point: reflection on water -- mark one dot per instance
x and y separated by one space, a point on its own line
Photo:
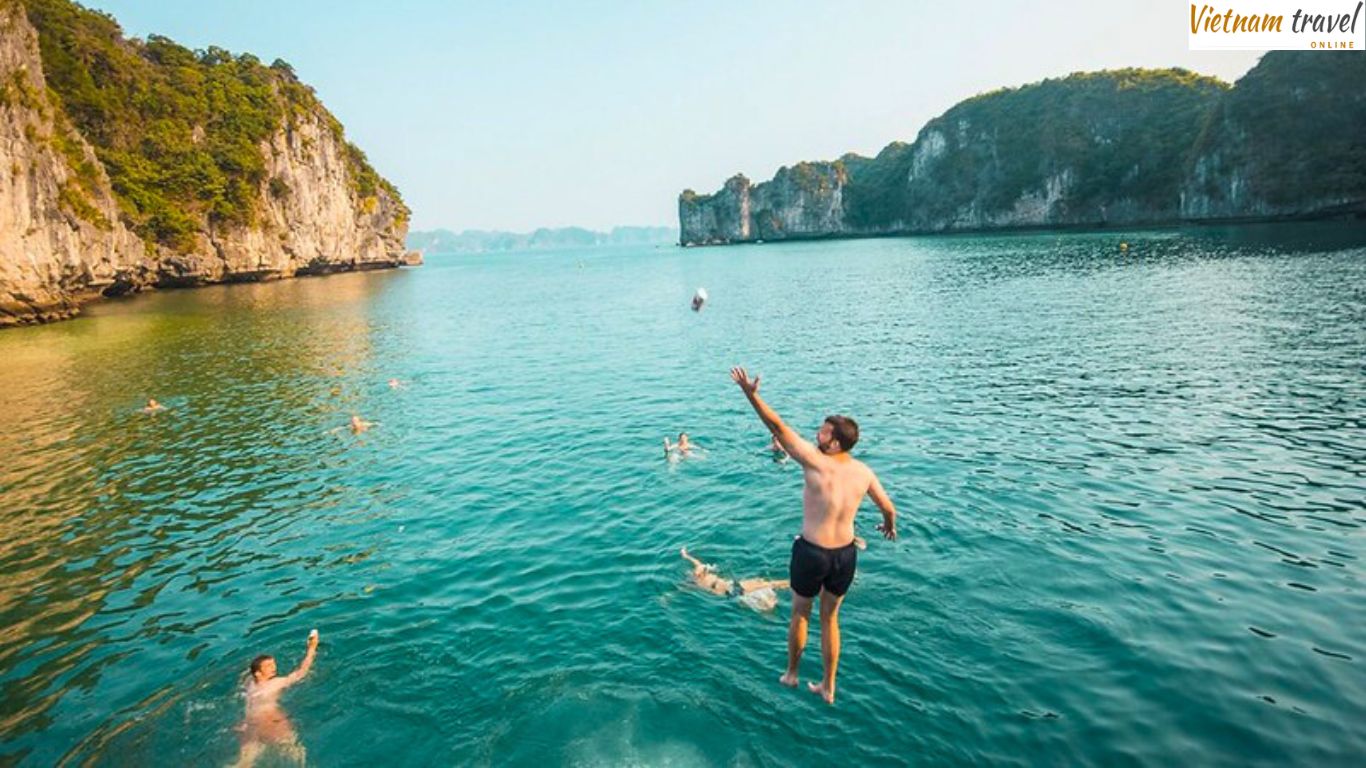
104 502
1131 479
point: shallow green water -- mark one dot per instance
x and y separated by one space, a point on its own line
1131 486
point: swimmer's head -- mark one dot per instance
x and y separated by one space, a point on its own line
837 434
263 668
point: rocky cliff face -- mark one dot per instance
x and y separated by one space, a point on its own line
61 239
1108 148
806 200
65 235
723 217
311 221
1287 141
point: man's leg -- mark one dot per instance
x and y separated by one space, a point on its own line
750 585
830 645
250 751
796 637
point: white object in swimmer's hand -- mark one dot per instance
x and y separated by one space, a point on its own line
698 299
313 634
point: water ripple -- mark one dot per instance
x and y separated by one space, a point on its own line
1131 490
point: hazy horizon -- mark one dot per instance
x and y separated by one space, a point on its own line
595 117
532 230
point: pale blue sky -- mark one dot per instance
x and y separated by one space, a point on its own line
519 115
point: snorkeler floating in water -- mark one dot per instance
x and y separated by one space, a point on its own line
153 406
682 450
825 556
266 724
759 594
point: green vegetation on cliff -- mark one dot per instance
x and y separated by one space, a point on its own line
1121 147
179 132
876 195
1117 136
1293 129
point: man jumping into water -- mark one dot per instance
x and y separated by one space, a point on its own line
824 556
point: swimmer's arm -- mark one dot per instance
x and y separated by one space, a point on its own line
302 671
884 505
698 565
805 453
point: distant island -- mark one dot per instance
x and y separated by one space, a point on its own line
131 164
484 241
1116 148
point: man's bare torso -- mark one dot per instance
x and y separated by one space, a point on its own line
831 496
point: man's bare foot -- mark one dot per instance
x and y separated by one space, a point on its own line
789 679
819 689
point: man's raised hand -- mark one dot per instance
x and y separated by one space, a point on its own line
741 376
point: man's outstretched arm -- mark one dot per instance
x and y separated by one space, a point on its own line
302 671
884 505
805 453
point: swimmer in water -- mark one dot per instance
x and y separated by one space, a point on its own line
153 406
357 425
759 594
266 723
394 384
682 450
699 299
776 448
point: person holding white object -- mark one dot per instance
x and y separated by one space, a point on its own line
266 724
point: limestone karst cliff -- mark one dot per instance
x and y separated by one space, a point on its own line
1287 141
128 164
1093 149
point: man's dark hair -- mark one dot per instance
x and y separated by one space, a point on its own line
258 661
845 430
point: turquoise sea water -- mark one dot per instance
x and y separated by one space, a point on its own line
1131 486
